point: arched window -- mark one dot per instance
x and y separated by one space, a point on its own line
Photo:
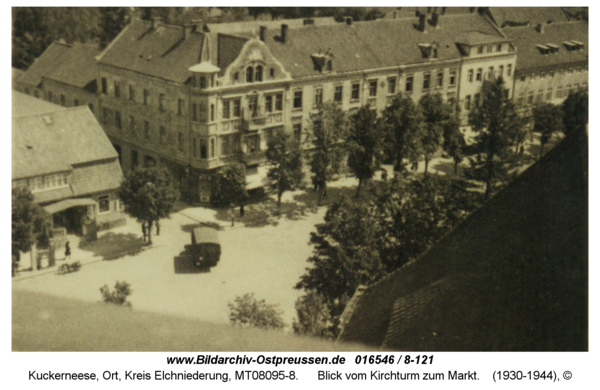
249 74
258 73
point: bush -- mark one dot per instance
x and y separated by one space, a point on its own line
246 311
119 295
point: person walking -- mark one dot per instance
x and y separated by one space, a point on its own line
144 232
242 210
67 250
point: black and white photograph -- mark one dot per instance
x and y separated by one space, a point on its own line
299 179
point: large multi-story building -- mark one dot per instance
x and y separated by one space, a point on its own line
552 62
196 99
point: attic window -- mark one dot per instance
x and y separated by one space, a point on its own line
323 62
570 46
543 49
552 47
578 45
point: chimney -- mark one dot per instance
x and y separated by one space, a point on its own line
263 30
395 14
422 21
156 21
284 28
443 10
435 20
348 20
188 29
540 28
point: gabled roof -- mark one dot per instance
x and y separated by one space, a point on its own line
527 38
375 44
512 277
77 66
56 141
505 16
159 52
43 65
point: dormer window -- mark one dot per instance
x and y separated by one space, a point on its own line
429 50
249 74
259 73
552 48
543 49
578 45
323 62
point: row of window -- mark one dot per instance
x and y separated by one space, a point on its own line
63 100
549 94
552 73
490 74
489 48
254 74
41 183
145 95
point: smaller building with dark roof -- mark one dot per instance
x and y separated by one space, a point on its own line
65 74
63 156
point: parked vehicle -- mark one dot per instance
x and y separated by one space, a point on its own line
205 248
68 268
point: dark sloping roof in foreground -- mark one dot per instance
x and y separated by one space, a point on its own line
47 323
512 277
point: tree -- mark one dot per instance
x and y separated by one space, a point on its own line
496 123
575 113
364 142
436 113
119 295
246 311
412 215
404 124
345 254
149 195
328 129
285 157
547 120
314 318
230 186
30 224
453 138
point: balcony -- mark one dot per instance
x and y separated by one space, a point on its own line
255 120
253 158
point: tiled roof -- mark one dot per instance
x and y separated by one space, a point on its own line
52 195
77 66
527 38
254 26
96 177
374 44
23 104
43 65
160 52
514 273
229 49
55 141
532 15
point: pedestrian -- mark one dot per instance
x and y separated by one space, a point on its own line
157 228
144 232
67 251
242 210
384 175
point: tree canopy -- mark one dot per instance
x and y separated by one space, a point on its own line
230 186
404 124
284 156
454 141
497 126
575 112
149 195
365 145
547 120
247 311
30 223
436 114
328 129
314 318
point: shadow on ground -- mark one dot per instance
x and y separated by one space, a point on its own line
188 228
112 246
